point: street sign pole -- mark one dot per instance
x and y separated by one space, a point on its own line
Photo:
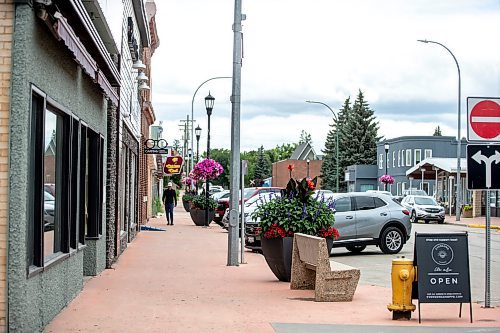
487 285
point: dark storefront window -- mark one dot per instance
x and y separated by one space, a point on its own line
65 182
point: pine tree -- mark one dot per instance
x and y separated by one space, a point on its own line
262 167
329 167
437 132
359 135
305 138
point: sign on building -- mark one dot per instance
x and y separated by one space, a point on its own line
157 147
173 165
483 119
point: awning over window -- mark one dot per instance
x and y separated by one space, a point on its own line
83 57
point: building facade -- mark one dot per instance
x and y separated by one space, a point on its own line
408 151
64 84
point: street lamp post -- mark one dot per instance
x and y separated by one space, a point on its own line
308 161
198 135
192 105
336 143
459 148
209 105
386 148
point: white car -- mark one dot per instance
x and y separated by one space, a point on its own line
381 192
423 207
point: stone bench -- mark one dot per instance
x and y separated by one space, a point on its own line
312 269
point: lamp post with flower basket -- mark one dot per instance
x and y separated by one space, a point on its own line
386 179
297 210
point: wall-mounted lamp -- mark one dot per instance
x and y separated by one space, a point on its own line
144 86
142 77
138 65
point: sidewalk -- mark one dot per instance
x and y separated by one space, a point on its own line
178 281
474 222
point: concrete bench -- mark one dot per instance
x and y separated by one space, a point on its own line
312 269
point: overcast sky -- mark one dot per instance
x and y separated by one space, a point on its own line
323 50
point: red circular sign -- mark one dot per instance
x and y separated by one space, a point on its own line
485 119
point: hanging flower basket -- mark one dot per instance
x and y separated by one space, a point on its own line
387 179
206 170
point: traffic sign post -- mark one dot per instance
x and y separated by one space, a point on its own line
483 173
483 119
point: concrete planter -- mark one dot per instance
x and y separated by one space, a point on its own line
467 213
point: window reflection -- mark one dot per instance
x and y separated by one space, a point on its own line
50 227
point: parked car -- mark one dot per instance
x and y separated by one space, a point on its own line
362 219
48 211
223 203
423 208
414 191
381 192
218 195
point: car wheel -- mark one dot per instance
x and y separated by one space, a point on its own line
426 221
391 241
413 217
441 221
355 248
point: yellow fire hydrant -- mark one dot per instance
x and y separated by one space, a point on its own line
403 275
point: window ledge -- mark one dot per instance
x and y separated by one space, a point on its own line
81 246
34 270
93 237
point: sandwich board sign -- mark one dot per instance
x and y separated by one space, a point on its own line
443 276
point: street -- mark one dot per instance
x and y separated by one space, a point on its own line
376 266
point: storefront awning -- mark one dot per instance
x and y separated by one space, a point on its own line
439 164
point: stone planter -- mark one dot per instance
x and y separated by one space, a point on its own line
278 255
467 213
198 216
186 205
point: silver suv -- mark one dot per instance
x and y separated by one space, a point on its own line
370 219
423 208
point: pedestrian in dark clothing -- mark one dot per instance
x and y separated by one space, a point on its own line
170 200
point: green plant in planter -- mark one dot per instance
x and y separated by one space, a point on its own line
157 206
188 196
200 202
467 208
297 210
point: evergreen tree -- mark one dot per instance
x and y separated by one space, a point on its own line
359 135
305 138
437 132
262 167
329 166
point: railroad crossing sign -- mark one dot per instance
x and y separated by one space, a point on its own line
483 119
483 167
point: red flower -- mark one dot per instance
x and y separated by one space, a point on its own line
330 232
275 231
290 167
310 185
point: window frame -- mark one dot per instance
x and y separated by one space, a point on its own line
427 155
381 162
394 159
408 157
419 152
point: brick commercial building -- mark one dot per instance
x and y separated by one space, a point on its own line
305 163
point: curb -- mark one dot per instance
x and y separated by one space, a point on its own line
497 227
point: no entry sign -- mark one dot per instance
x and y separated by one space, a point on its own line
483 119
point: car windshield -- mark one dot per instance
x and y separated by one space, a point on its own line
248 192
425 201
262 197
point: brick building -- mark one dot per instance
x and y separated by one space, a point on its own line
305 162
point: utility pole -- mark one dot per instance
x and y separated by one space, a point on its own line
232 255
185 146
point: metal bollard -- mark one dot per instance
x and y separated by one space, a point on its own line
403 275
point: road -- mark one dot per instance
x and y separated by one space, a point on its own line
376 266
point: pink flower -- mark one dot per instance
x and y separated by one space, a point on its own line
387 179
206 170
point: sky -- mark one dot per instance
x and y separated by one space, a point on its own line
325 51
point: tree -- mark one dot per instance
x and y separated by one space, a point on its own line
437 132
262 167
222 156
305 138
329 166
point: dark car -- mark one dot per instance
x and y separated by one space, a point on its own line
48 211
223 203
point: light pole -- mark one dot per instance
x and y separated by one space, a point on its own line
386 148
336 142
192 105
308 161
459 140
209 105
197 131
198 135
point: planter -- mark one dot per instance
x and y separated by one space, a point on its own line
278 255
186 205
467 213
198 216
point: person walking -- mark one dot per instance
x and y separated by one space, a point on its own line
170 201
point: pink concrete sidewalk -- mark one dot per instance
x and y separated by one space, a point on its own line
178 281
